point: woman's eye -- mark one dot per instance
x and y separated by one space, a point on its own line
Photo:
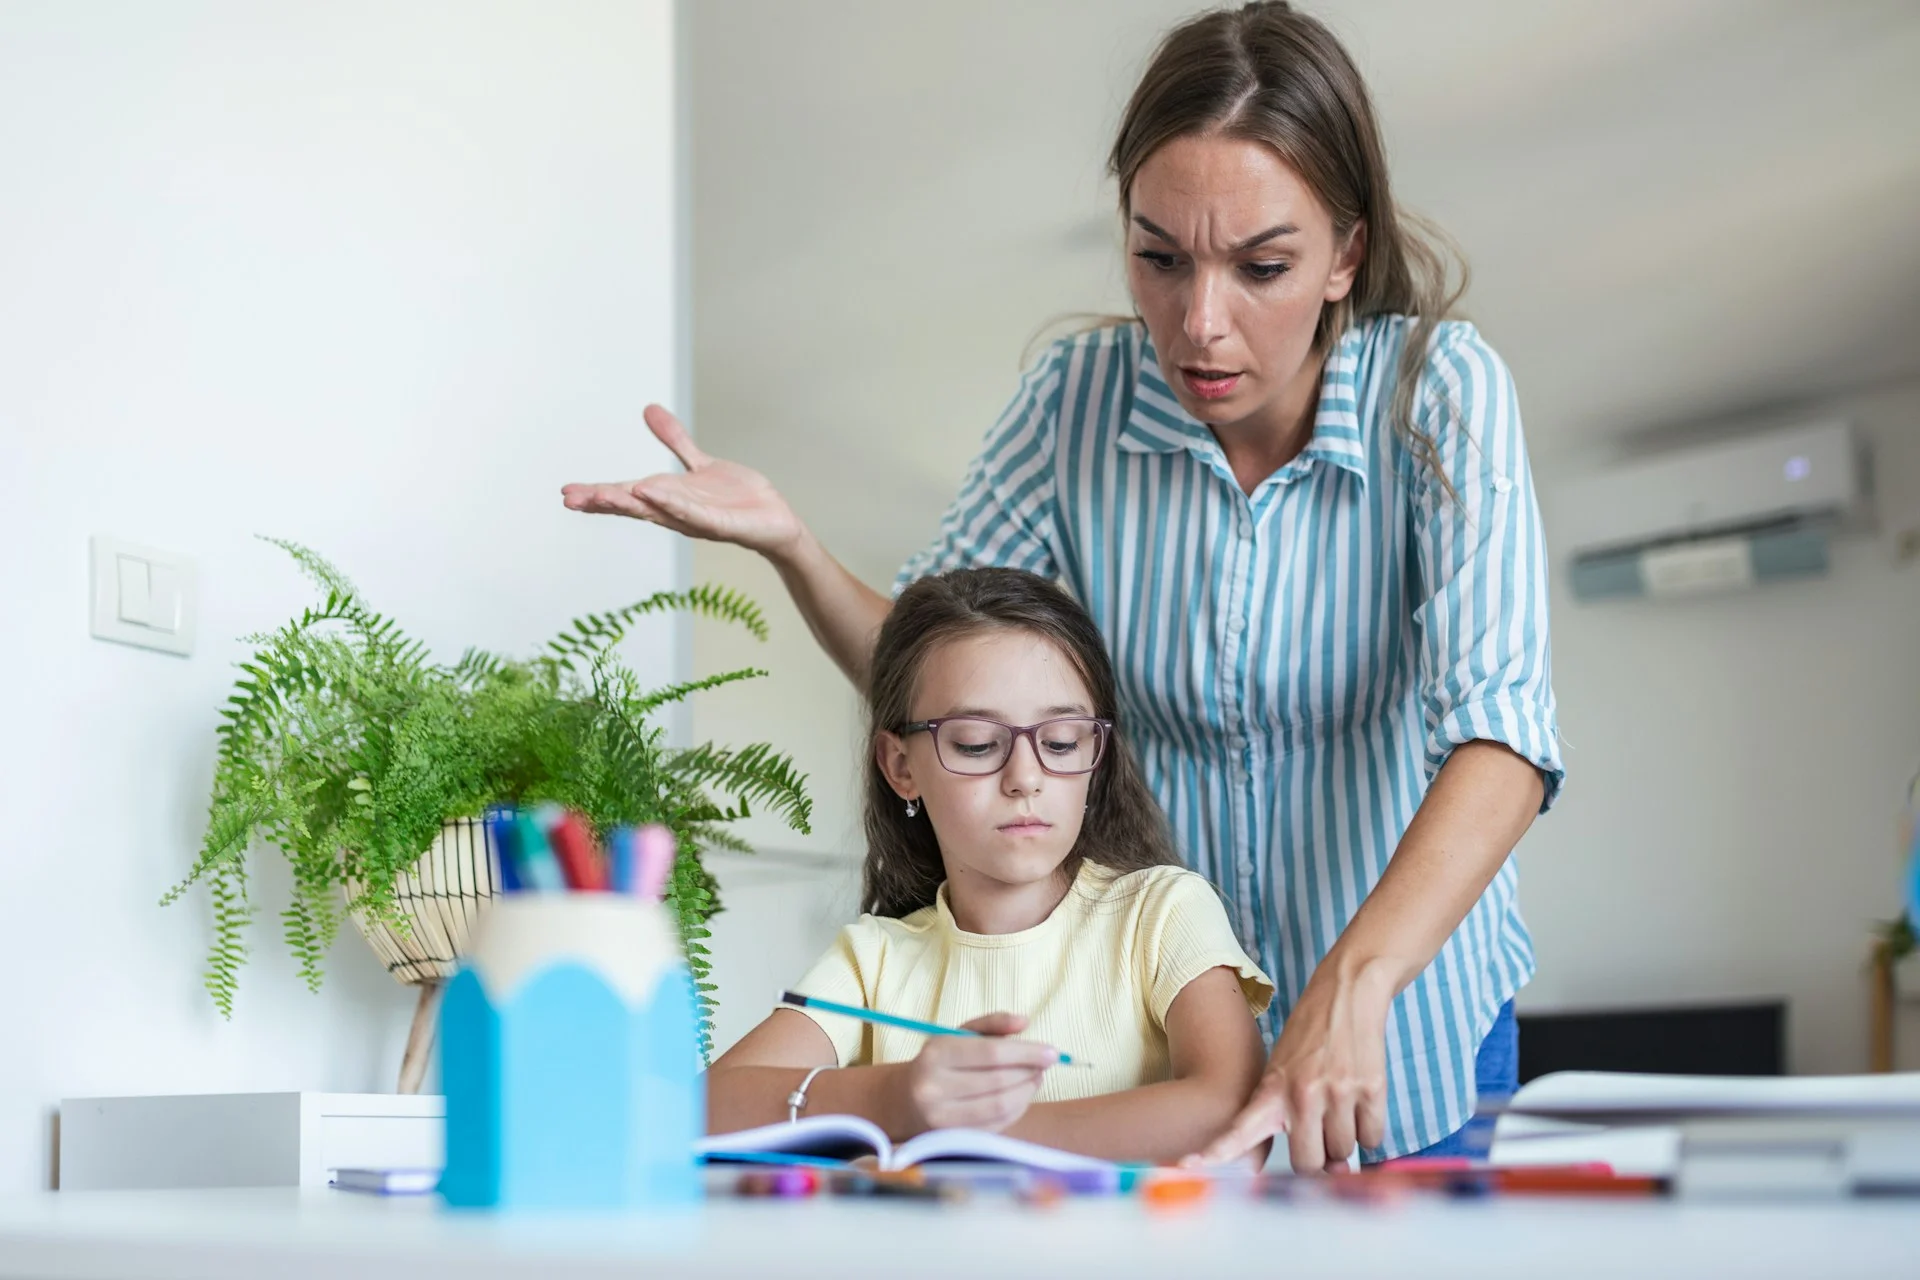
1160 261
1063 748
1265 270
973 748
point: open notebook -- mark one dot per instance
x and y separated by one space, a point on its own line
850 1137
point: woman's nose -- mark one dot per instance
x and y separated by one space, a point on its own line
1206 311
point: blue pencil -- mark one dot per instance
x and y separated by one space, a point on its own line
890 1020
789 1158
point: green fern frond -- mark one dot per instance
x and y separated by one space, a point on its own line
594 632
314 566
724 604
757 772
476 667
231 915
672 693
709 836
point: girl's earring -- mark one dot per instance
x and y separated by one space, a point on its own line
913 807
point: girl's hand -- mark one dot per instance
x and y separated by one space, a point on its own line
716 500
984 1083
1325 1086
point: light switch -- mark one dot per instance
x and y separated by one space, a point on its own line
143 596
131 573
163 597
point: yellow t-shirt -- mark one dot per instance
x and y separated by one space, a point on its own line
1095 978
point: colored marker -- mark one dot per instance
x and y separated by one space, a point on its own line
539 869
892 1020
579 860
654 852
621 869
505 841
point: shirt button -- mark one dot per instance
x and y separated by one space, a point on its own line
1501 484
1236 624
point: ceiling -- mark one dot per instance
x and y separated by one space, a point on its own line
1675 210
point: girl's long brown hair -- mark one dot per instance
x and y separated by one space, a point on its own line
1272 75
1124 828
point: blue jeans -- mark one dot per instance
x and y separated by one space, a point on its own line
1496 1075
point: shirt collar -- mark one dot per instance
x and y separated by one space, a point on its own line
1157 423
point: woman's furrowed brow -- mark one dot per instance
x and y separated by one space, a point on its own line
1251 242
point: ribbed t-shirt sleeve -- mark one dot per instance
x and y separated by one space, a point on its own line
838 976
1185 931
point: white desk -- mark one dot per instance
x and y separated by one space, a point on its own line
286 1234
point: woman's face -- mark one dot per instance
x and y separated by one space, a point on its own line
1230 257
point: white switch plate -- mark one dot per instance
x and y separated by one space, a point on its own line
144 596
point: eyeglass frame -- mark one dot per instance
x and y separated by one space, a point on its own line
1018 731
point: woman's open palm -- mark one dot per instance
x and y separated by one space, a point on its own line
713 499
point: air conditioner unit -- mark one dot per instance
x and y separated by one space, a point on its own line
1715 517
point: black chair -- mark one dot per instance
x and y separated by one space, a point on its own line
1748 1039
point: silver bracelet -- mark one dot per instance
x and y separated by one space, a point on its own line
798 1098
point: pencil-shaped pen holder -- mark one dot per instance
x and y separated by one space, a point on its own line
569 1057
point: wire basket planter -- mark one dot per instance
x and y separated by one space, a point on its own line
441 897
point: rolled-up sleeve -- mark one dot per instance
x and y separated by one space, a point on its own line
1481 611
1004 513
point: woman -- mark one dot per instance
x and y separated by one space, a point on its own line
1297 502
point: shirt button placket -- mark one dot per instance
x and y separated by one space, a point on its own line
1237 665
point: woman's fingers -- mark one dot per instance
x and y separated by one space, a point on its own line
1372 1126
669 431
1264 1115
1337 1130
1306 1136
605 499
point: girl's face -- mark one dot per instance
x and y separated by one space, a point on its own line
1017 826
1230 257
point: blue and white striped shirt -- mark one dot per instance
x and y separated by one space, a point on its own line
1295 665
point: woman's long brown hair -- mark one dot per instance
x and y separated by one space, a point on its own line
1124 828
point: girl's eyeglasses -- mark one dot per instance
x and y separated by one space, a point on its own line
973 747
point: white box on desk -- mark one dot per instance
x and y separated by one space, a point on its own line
244 1139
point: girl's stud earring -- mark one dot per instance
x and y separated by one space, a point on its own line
913 807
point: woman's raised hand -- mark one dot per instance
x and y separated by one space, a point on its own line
713 499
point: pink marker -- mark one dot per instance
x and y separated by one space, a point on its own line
655 850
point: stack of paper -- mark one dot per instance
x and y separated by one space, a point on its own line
1724 1135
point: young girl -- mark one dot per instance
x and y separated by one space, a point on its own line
1019 878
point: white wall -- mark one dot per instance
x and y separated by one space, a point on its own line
1737 777
780 912
376 277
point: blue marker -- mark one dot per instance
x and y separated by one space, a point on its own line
506 852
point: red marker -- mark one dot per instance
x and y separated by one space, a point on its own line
580 862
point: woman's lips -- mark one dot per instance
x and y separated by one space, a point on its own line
1210 384
1026 827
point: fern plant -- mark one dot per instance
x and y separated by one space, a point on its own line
346 747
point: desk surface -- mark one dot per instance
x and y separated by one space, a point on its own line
323 1234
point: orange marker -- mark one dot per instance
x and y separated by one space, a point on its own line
1173 1190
